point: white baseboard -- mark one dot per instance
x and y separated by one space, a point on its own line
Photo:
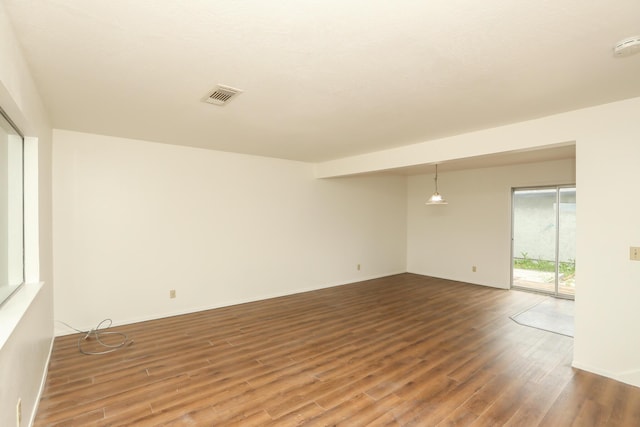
631 377
64 330
43 383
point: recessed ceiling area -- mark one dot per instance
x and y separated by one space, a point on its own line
559 152
321 80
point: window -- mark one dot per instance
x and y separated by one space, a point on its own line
11 208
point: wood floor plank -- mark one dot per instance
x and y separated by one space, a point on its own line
373 413
440 405
340 413
300 416
397 351
535 406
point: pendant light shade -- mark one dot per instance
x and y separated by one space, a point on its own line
436 198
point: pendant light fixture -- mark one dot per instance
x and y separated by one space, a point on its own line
436 198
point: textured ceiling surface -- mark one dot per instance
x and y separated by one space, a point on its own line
320 79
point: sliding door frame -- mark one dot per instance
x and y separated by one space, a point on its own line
557 189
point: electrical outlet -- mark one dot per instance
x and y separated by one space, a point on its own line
634 253
19 413
358 267
473 268
172 293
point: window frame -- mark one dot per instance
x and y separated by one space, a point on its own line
13 288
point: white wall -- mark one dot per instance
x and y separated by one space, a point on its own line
475 227
134 219
608 223
26 321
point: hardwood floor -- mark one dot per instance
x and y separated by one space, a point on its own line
398 351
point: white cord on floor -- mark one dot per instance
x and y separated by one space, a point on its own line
97 332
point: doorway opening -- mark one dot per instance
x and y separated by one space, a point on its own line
543 240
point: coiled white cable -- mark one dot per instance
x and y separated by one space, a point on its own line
97 332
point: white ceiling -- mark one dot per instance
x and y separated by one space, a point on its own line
321 79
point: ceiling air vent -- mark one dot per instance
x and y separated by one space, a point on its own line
221 95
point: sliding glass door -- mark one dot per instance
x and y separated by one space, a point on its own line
543 240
